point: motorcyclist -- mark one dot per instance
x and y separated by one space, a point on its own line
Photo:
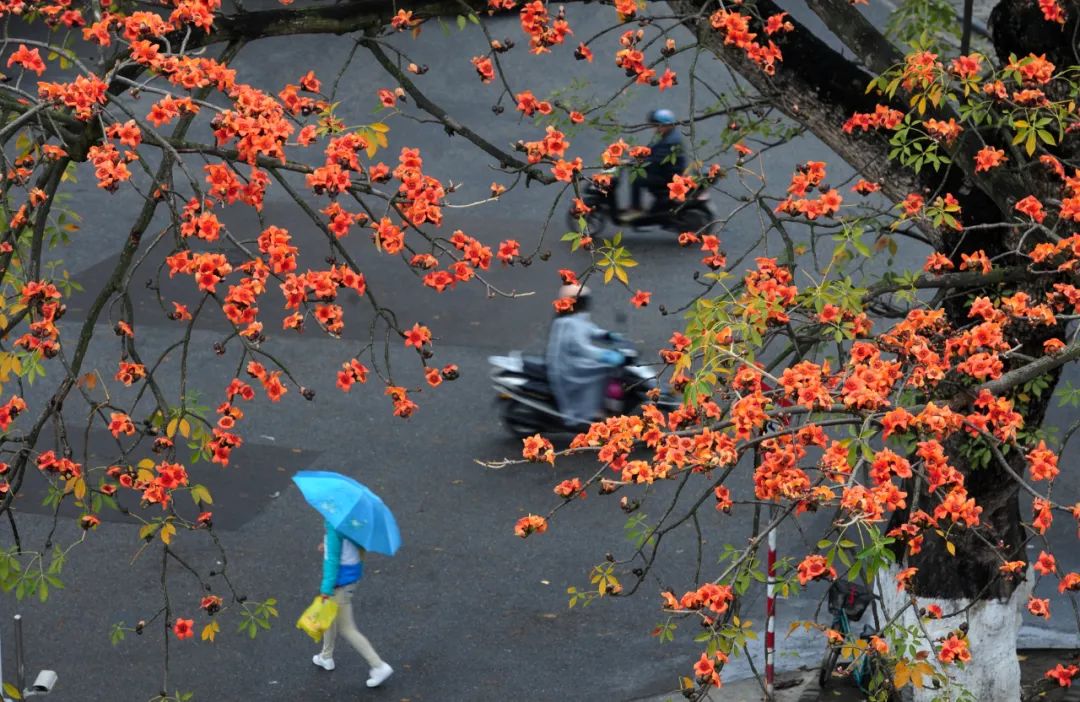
666 159
578 369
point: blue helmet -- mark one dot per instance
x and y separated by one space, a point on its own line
662 116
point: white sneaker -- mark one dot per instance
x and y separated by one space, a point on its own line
324 663
379 675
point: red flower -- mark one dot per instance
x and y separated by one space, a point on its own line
120 423
417 336
1039 607
641 298
1062 675
989 157
954 649
680 186
1031 206
563 305
569 489
183 629
508 250
387 98
815 567
537 448
29 59
1046 563
705 671
668 79
530 524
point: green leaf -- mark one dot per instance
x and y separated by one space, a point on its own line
200 494
461 22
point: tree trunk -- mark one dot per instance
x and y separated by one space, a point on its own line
993 673
818 88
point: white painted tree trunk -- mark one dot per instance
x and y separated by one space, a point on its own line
993 673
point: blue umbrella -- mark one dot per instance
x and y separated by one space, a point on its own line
352 509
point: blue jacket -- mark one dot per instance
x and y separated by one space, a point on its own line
342 564
662 150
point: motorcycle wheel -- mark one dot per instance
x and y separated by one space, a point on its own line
518 419
596 221
693 219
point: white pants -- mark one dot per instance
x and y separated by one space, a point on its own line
346 625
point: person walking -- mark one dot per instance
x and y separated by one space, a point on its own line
343 566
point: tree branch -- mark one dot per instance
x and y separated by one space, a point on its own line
506 160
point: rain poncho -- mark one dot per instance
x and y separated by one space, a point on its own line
577 368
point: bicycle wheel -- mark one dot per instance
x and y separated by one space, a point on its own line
828 666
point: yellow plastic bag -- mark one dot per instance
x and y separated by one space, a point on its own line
317 618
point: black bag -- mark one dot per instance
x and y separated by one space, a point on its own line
851 597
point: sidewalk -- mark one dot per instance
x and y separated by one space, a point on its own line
802 685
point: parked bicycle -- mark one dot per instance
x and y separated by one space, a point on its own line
848 602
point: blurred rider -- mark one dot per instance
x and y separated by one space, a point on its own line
666 159
578 369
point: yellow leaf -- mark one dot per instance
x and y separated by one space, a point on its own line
12 691
145 475
900 675
80 488
950 547
210 631
379 127
381 139
185 428
919 671
168 532
146 463
620 273
147 531
170 429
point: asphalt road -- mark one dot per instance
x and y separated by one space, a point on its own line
466 611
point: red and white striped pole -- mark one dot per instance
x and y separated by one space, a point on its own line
770 614
770 580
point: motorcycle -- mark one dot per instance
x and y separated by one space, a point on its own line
527 405
692 215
